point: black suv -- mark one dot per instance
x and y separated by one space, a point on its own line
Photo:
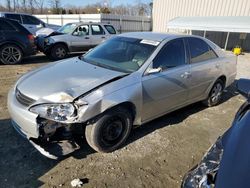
16 42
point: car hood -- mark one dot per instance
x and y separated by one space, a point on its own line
65 80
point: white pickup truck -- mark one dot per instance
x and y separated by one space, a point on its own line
74 37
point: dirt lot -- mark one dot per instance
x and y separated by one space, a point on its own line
157 154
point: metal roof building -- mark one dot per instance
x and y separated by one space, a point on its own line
221 26
166 10
225 22
235 24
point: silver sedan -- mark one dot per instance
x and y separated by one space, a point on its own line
128 80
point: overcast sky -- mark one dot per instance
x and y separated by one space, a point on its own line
114 2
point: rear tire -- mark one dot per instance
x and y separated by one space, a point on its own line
58 51
215 94
110 131
10 54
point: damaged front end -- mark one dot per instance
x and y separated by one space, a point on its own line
56 139
56 129
204 174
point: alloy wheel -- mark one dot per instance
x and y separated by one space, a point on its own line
216 93
60 52
11 55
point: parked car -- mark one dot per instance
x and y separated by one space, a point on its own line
30 22
128 80
16 42
74 37
226 164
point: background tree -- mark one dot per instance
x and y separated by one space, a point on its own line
56 6
40 5
8 5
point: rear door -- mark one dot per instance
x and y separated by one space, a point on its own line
204 67
168 89
31 23
98 34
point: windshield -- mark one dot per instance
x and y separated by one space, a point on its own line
68 28
121 53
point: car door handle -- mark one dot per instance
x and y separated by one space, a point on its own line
217 65
103 37
186 75
86 37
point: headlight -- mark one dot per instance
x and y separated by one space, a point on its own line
48 41
56 112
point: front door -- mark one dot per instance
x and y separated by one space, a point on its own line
81 39
168 89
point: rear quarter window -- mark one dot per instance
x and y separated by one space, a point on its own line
15 17
31 20
200 50
110 29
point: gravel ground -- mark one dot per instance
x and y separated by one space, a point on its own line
157 154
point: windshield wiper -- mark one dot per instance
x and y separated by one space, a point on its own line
103 65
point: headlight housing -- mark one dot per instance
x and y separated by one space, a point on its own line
48 41
56 112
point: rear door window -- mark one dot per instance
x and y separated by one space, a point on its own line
171 55
31 20
97 30
200 50
16 17
110 29
5 26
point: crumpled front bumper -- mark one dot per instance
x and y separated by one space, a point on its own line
25 123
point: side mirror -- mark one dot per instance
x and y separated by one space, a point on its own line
41 25
154 70
243 86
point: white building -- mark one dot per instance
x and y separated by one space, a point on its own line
166 10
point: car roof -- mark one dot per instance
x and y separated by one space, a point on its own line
2 13
151 35
80 23
157 36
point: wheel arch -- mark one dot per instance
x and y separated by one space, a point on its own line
61 43
223 78
13 43
128 105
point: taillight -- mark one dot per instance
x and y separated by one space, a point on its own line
31 38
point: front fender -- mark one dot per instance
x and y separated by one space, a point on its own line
98 102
